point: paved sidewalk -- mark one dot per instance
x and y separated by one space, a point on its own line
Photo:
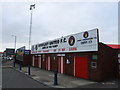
47 77
64 81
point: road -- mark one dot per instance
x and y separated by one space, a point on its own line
15 79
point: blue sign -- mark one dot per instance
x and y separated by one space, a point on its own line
27 52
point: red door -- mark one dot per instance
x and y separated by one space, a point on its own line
81 67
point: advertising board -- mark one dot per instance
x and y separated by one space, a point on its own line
19 53
80 42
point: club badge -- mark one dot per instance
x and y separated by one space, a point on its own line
71 41
85 35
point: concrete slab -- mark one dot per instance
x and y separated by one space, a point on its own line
54 86
35 77
82 82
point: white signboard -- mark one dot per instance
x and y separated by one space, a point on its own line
80 42
60 54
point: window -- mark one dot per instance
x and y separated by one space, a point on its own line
94 64
94 57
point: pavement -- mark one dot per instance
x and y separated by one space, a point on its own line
64 81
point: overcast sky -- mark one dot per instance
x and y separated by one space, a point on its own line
52 20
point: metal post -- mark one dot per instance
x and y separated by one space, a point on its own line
15 51
15 42
29 70
55 78
20 66
31 8
14 63
30 29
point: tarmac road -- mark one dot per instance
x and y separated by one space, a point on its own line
15 79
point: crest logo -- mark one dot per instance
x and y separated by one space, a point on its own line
71 41
85 35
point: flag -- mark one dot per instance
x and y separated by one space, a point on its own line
32 7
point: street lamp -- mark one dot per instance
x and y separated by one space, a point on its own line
15 40
14 52
31 8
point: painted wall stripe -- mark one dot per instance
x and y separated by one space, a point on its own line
40 61
49 63
46 63
74 65
33 61
59 64
62 65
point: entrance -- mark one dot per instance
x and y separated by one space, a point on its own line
54 62
81 67
44 62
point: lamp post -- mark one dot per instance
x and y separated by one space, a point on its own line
14 52
15 41
31 8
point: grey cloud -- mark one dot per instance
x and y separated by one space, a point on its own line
53 20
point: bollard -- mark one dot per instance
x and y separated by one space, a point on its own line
20 66
29 70
14 63
14 59
55 78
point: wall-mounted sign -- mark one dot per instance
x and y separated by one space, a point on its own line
27 51
80 42
60 54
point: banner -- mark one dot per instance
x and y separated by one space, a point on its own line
80 42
